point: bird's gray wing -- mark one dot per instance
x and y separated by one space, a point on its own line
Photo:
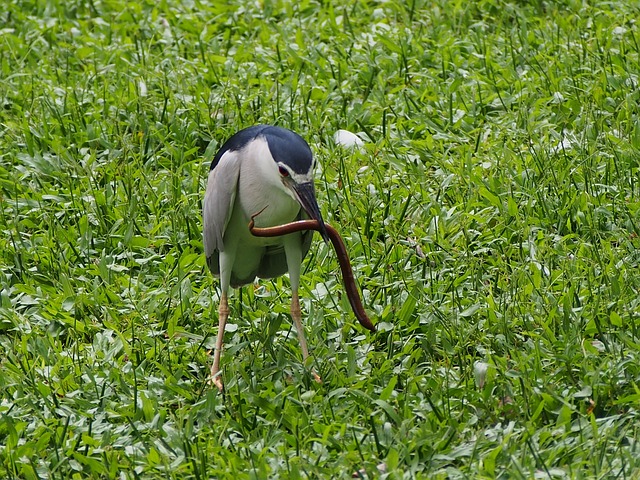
219 200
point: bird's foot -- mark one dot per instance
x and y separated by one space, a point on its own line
316 377
216 379
218 383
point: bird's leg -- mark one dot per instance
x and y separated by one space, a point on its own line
223 314
293 252
297 319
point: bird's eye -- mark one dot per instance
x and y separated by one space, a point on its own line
283 171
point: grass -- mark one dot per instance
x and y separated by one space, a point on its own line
492 220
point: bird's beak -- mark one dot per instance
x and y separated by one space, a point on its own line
306 194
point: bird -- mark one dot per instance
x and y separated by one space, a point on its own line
265 170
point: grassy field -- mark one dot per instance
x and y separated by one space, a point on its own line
492 218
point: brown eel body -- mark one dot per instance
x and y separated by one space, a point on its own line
341 252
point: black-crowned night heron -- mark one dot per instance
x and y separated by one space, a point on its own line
259 169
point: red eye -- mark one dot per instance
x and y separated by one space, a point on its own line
283 171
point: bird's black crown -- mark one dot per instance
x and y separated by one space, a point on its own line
285 146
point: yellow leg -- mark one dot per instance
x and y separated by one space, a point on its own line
297 319
223 314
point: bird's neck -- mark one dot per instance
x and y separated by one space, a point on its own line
277 204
